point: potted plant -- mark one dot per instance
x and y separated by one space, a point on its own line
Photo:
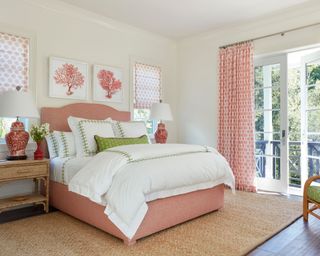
38 133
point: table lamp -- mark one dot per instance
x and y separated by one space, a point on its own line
161 111
17 104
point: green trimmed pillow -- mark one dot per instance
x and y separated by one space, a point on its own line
105 143
66 144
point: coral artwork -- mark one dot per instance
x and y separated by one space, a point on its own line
109 82
68 75
68 78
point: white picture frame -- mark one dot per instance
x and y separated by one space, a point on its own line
107 84
76 87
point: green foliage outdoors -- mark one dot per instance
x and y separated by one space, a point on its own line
2 129
313 74
259 102
294 111
143 115
313 78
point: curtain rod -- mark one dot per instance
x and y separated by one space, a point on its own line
282 33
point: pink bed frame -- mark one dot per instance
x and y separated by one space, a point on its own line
162 213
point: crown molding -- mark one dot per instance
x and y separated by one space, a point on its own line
75 12
296 16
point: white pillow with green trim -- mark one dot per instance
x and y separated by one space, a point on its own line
84 131
131 129
66 143
53 146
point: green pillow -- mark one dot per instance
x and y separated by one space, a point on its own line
105 143
314 193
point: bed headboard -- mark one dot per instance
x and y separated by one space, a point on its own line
57 117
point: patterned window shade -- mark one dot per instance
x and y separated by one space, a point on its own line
14 62
147 85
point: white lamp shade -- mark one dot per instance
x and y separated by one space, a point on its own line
18 104
161 111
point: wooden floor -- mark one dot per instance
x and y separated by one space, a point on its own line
299 239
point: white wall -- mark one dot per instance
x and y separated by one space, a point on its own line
198 65
58 29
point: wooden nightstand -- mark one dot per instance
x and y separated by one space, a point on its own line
37 170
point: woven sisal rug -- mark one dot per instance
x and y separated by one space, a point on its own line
246 221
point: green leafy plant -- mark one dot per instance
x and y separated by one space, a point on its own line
39 132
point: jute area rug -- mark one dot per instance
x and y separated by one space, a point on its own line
246 221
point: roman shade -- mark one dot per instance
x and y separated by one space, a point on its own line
14 62
147 85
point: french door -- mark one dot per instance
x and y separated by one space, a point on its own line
271 143
310 116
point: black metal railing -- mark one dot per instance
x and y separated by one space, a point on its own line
294 160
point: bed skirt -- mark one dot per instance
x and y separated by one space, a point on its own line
162 213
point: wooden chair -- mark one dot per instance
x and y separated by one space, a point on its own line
311 194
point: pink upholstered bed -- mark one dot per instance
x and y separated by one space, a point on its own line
162 213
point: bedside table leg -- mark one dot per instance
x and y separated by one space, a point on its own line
36 185
47 194
44 182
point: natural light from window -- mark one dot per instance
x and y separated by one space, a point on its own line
147 90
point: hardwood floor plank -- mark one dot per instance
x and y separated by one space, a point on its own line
300 238
261 252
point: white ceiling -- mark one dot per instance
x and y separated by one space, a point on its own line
181 18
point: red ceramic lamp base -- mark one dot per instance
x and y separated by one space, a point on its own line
17 140
161 134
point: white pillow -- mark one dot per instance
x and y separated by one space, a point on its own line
84 131
116 130
53 146
130 129
66 143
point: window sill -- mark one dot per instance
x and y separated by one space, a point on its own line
31 146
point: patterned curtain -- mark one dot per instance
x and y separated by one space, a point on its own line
236 112
14 62
147 85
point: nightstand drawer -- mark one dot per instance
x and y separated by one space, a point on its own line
22 171
37 170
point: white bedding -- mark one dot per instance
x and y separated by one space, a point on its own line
62 170
124 178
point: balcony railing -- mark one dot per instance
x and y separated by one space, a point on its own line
294 160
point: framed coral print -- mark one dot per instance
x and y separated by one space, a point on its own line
107 84
68 79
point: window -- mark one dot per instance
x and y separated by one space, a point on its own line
147 90
14 71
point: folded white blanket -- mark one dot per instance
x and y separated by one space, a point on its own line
126 177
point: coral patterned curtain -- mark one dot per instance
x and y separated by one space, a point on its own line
14 62
147 85
236 112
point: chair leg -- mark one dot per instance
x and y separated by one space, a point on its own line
305 209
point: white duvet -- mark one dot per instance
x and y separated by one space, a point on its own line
124 178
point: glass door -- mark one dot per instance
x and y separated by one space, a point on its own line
310 116
271 123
